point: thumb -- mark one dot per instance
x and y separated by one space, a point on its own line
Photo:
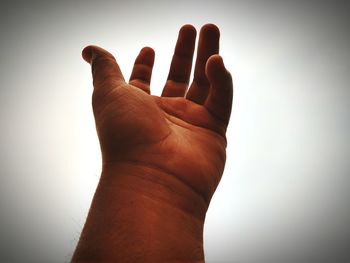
106 73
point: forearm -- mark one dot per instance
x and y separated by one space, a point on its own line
142 214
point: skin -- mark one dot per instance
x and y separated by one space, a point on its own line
163 157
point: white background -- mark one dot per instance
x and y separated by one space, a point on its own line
285 191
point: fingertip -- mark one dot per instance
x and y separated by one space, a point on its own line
211 28
87 54
148 50
188 29
91 52
146 56
217 73
216 59
215 65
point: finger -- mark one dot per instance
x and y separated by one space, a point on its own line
105 70
208 44
142 71
181 64
219 101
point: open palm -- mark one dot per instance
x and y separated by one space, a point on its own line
182 132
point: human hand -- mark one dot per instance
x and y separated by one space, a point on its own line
163 157
180 133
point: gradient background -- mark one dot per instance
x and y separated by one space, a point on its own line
284 196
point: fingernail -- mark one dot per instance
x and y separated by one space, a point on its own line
93 54
88 54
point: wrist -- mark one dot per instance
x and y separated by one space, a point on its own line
140 210
155 185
